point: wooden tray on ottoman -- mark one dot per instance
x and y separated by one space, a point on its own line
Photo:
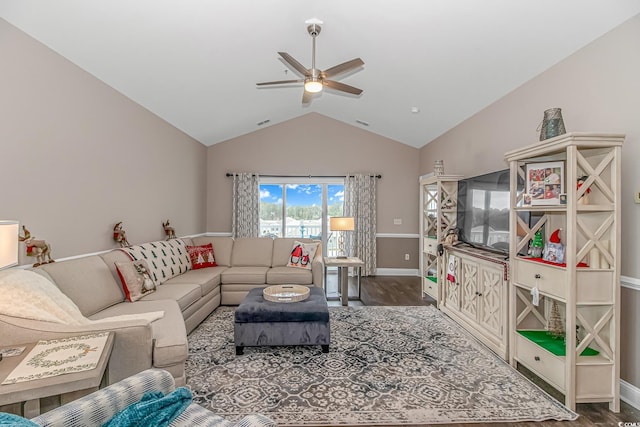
286 293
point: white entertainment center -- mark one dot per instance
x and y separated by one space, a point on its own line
492 295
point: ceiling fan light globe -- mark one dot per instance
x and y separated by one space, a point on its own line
313 86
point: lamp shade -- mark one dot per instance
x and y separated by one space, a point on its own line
8 243
341 223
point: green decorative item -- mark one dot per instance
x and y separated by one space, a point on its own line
537 244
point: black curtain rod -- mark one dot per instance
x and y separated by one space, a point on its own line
229 174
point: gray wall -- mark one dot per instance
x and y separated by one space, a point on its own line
77 156
314 144
598 89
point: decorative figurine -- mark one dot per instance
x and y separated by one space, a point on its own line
169 230
584 199
120 236
554 325
451 237
36 248
554 249
535 250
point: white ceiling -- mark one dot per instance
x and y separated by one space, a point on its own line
195 63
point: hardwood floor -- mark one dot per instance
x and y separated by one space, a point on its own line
405 290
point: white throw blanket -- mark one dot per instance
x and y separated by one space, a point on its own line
28 295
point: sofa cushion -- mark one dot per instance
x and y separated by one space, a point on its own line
202 256
286 275
252 251
184 294
302 254
166 259
207 278
282 250
222 246
252 275
135 279
169 332
87 281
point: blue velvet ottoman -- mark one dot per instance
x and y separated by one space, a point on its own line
258 322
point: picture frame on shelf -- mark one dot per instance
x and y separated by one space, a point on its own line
545 183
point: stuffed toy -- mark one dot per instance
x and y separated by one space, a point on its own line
451 237
554 249
120 236
169 230
584 199
36 248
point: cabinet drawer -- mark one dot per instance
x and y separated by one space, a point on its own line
548 366
549 279
430 245
430 288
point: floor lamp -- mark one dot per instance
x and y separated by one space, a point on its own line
341 224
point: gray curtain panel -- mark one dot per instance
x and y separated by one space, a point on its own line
360 203
246 205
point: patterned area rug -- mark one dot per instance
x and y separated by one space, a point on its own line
386 365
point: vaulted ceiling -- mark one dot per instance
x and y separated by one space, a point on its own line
195 63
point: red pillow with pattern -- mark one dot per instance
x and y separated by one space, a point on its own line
202 256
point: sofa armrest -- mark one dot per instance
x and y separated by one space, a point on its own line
132 346
100 406
317 272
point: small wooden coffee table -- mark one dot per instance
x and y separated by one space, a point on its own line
69 386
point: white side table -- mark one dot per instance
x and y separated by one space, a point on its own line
343 265
69 386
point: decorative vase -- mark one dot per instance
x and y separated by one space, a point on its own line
438 167
552 124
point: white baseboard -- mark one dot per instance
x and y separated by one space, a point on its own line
397 272
630 394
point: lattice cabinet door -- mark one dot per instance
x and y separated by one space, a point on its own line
469 288
491 303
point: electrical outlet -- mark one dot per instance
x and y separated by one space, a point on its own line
407 257
397 221
636 196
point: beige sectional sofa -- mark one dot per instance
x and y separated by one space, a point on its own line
93 284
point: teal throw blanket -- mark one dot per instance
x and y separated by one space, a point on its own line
10 420
154 409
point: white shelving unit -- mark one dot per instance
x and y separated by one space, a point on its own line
585 365
438 197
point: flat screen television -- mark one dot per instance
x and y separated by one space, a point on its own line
483 211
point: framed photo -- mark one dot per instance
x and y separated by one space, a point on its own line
526 199
545 182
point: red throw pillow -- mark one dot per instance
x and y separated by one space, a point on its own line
202 256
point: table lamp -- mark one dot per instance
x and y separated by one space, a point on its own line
341 224
8 243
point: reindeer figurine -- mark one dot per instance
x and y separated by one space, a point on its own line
37 248
169 230
120 236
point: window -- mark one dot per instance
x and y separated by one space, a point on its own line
289 208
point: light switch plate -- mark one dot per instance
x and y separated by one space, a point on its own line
397 221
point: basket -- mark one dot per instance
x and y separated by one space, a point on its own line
286 293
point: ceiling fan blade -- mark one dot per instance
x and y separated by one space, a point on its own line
342 87
306 97
343 68
294 64
279 82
